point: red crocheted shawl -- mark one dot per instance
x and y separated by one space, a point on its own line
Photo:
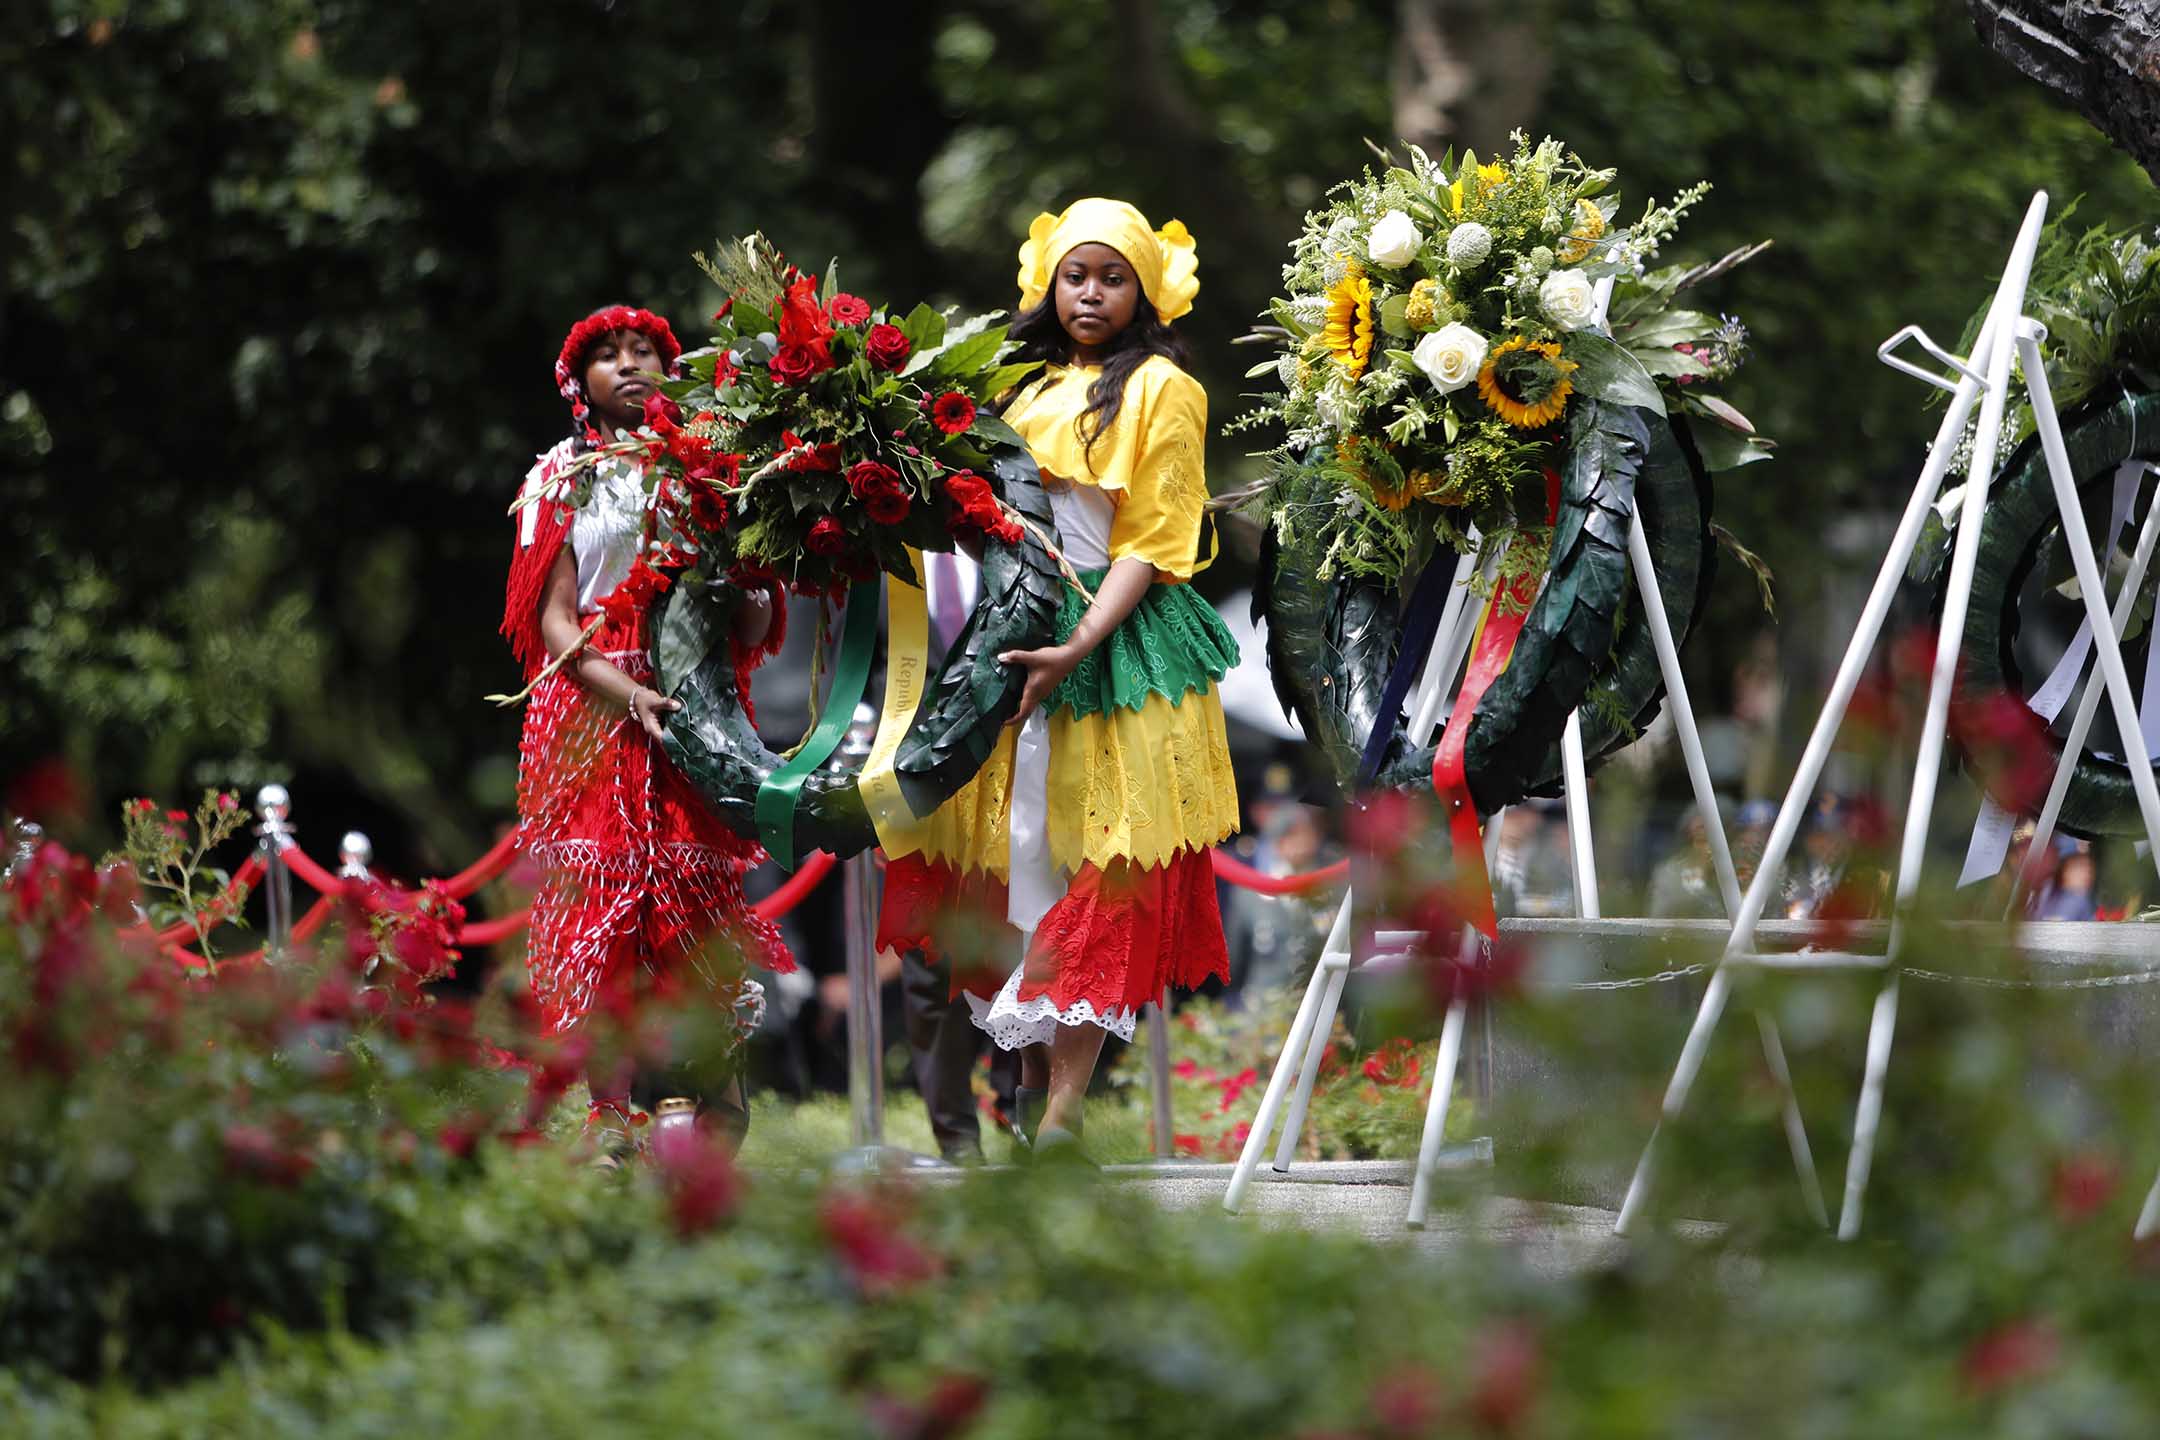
531 562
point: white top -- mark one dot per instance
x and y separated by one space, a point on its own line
1084 514
604 532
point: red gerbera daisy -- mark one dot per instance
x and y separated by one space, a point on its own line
952 412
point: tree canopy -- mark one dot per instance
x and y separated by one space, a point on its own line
286 279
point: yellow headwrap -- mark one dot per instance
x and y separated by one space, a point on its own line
1165 261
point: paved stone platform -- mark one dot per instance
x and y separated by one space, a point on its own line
1369 1199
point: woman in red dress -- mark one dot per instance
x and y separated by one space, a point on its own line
641 888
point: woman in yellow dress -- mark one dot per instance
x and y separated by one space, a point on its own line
1089 827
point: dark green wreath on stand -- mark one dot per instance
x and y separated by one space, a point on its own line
2097 290
1332 645
714 744
2119 422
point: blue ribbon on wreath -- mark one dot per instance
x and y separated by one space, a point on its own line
1420 623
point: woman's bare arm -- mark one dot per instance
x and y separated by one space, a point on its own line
560 629
1123 588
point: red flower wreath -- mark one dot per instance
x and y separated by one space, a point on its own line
570 363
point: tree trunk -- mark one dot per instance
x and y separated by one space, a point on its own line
2103 56
1467 72
879 123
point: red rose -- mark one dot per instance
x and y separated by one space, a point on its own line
952 412
826 537
848 309
796 364
887 507
872 477
887 347
724 370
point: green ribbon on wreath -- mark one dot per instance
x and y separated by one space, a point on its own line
778 795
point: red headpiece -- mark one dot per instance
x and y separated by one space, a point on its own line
570 364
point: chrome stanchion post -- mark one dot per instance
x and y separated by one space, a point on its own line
24 836
274 804
1158 1044
355 853
865 1017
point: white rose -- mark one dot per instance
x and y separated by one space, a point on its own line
1450 357
1394 241
1468 244
1568 299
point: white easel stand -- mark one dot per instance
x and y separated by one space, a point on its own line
1307 1040
2006 328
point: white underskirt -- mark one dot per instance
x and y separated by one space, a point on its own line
1013 1022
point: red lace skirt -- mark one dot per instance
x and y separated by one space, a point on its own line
637 875
1118 938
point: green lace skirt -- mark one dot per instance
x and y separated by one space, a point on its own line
1172 644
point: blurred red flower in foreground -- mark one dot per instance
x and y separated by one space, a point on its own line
1837 919
702 1184
1407 1401
2082 1185
1382 822
950 1409
252 1150
2012 1352
864 1228
2007 746
1504 1378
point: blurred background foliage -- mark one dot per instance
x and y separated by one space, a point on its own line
285 279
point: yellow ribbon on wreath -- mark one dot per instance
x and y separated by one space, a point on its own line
907 677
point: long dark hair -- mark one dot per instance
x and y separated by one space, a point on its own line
1041 337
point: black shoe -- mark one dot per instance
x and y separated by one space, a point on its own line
962 1152
1054 1146
1028 1107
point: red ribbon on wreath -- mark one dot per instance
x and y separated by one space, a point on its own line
1490 650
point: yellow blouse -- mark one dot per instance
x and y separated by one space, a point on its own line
1150 459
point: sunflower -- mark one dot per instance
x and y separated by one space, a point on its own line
1531 390
1589 225
1490 177
1392 495
1346 332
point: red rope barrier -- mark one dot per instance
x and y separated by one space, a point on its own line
814 868
1238 873
484 869
487 932
317 916
792 893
